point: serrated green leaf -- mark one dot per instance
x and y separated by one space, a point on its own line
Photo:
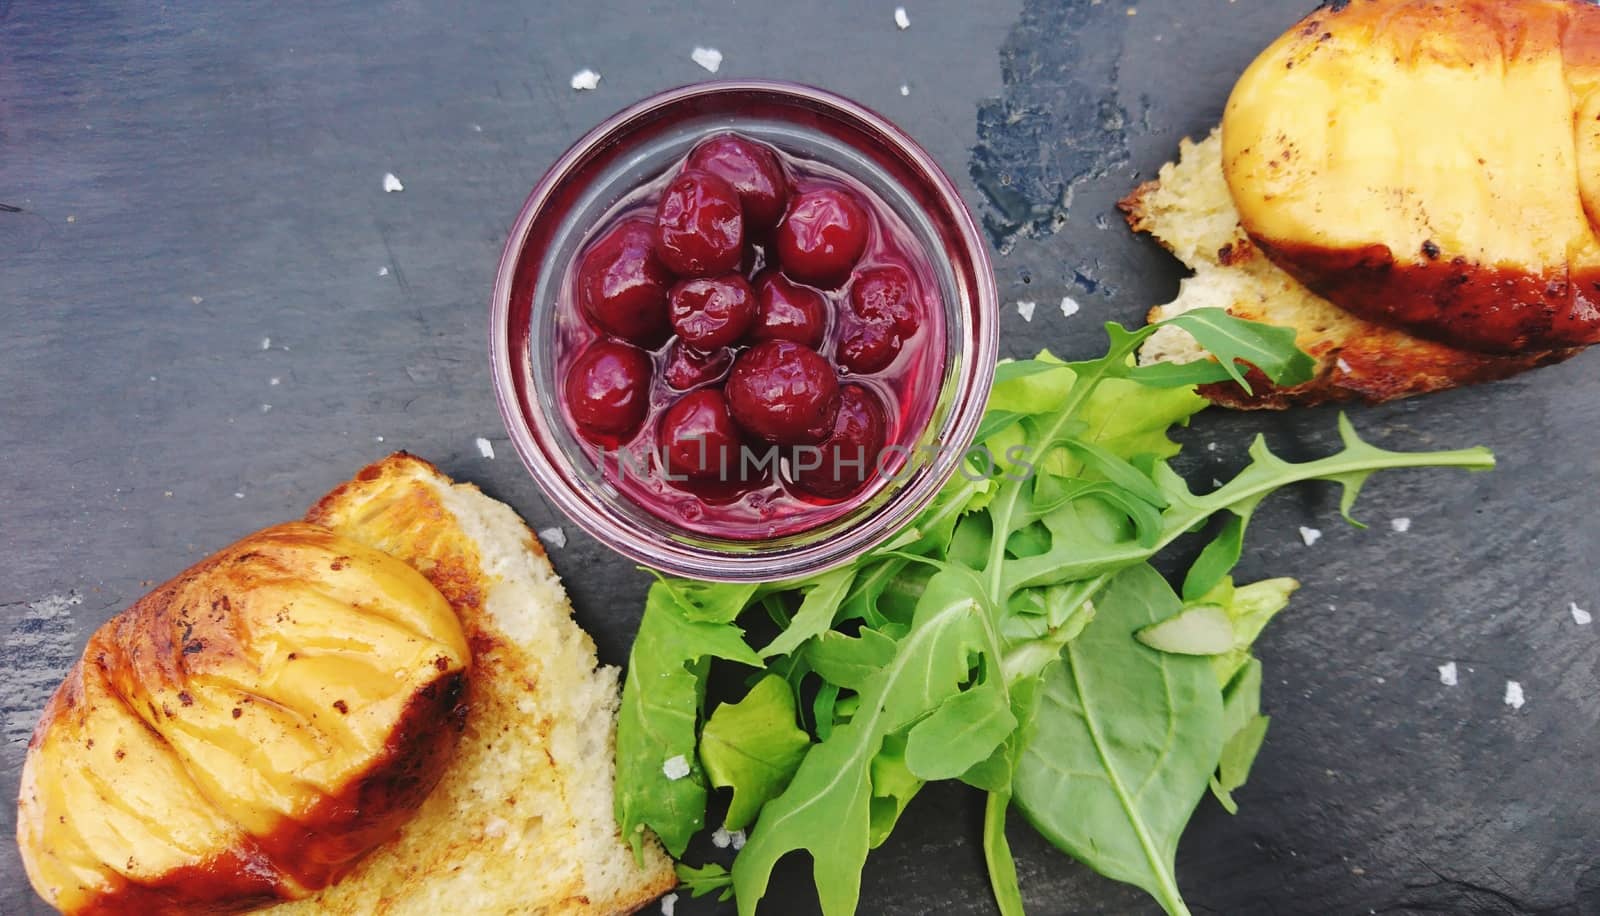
706 879
961 733
850 662
1217 559
816 613
1232 341
753 747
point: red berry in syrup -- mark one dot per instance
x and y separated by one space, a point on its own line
712 313
699 226
687 367
887 295
849 456
752 169
622 285
868 347
787 311
699 439
608 390
822 237
783 393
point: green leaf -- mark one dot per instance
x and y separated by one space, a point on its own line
827 809
753 747
1200 629
1123 743
996 422
707 879
1031 386
893 787
1238 755
961 733
816 612
1217 560
1232 340
1250 608
997 856
709 602
656 723
850 662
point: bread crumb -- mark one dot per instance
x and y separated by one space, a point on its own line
1447 674
1025 309
709 58
1069 307
675 768
1401 524
1514 695
553 537
485 448
1310 535
391 183
902 21
585 80
669 904
1580 616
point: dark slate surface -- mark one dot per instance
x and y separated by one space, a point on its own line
194 179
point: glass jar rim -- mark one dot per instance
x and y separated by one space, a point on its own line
746 561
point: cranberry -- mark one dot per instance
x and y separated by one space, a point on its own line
784 393
699 229
869 347
687 367
712 313
753 171
849 456
822 237
787 311
622 285
699 439
886 294
608 389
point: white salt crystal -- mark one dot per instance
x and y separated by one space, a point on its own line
669 905
1447 674
1514 696
1069 307
675 768
391 183
1025 309
1401 525
901 20
553 537
485 448
1310 535
585 80
1580 616
709 58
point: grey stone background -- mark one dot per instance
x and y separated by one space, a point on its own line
211 312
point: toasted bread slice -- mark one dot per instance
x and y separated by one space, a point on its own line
1189 210
521 821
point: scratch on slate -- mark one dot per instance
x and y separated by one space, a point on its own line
37 651
7 208
1057 123
399 275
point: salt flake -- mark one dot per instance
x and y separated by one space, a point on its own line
1310 535
905 89
669 905
1025 309
585 80
709 58
1514 695
266 343
553 537
901 20
675 768
1069 307
485 448
1580 616
391 183
1401 525
383 271
721 839
1447 674
736 838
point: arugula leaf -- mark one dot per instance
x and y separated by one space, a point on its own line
1123 744
753 747
707 879
827 807
1232 341
850 662
893 787
1245 728
816 612
657 723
